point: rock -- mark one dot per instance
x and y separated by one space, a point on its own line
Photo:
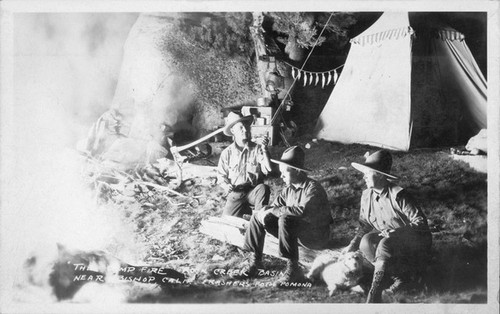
217 258
169 79
478 143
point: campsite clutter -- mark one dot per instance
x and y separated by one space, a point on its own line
165 179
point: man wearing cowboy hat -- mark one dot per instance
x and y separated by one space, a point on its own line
242 167
393 230
299 215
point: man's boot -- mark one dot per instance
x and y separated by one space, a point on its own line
293 274
375 293
398 284
250 271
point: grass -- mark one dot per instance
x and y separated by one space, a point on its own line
452 195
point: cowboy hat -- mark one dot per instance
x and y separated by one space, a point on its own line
233 118
380 161
292 157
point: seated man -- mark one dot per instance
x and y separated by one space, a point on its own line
393 230
299 215
241 170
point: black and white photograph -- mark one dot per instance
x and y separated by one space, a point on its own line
260 156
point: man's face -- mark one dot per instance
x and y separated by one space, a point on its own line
240 133
288 174
374 180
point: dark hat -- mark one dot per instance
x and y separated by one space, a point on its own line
292 157
233 118
380 161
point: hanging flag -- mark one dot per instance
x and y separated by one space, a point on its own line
329 78
325 77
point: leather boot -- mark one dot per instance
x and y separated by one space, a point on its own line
398 284
250 271
375 293
292 274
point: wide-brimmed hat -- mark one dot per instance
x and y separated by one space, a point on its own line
292 157
380 161
233 118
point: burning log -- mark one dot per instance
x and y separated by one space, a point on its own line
103 176
153 171
149 183
73 270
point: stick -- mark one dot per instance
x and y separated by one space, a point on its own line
160 187
204 138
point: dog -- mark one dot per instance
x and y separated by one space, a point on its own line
342 273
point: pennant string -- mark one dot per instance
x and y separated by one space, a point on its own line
309 76
320 72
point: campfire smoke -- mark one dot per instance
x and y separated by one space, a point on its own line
65 71
150 92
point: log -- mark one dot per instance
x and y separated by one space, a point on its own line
232 230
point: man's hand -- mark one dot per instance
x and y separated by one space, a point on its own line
264 161
347 249
262 141
228 188
352 246
387 233
261 215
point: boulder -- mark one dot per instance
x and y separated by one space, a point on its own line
168 79
478 143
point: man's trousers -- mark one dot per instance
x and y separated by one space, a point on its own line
238 202
285 228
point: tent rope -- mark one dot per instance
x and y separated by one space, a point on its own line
320 72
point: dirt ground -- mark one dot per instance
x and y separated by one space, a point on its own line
452 195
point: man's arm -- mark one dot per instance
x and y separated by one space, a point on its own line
223 171
410 214
263 155
311 199
413 213
363 228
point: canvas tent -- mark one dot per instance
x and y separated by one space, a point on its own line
406 85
